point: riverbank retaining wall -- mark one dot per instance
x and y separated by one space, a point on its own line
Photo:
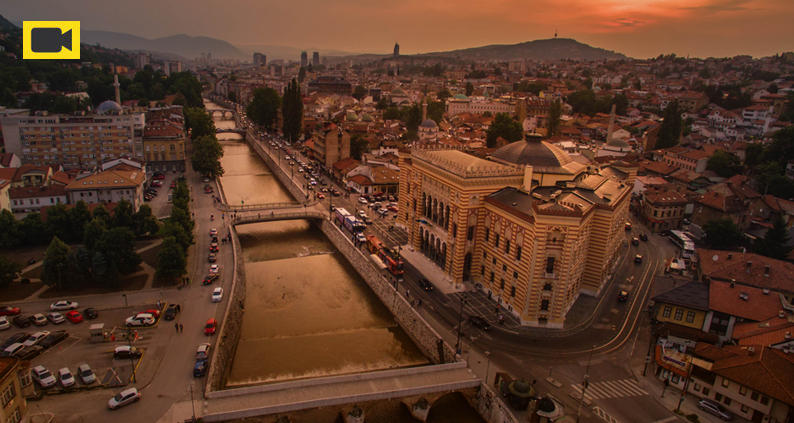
256 144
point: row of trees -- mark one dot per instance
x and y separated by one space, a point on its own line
207 151
266 103
177 234
108 244
725 235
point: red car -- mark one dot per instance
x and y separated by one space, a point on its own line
74 316
209 328
9 311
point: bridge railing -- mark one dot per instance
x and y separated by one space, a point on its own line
266 206
269 217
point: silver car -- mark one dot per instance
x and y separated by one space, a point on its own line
712 407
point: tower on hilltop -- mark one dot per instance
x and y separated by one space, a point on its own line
396 50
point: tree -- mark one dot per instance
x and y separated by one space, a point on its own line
79 215
469 89
722 234
781 149
292 111
444 94
753 155
118 246
358 146
8 271
198 122
263 108
101 213
359 92
435 111
725 164
555 112
171 262
34 231
10 234
144 222
60 223
57 262
207 153
92 232
122 215
670 131
621 103
788 110
301 74
775 243
175 230
503 126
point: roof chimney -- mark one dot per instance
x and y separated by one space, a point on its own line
765 291
730 256
733 283
748 266
766 270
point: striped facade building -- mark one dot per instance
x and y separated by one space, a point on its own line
530 226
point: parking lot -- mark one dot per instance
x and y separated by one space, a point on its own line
97 350
159 203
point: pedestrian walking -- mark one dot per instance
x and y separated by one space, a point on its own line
181 328
176 327
178 308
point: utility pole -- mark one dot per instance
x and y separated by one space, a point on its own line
686 385
585 384
129 343
192 403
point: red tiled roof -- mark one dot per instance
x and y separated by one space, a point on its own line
39 191
766 370
781 273
742 301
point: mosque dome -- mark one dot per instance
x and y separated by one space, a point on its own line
429 124
543 156
108 106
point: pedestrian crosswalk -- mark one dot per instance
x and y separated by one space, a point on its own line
611 389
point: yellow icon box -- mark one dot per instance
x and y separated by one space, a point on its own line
50 40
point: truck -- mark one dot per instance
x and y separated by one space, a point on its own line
391 258
373 244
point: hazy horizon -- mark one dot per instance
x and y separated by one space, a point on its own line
636 28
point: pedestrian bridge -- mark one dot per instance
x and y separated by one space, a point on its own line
230 130
224 113
258 207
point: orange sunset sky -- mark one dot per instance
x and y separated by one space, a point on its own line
638 28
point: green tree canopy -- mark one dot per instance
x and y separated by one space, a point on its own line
359 92
435 111
8 271
264 106
503 126
10 233
358 146
207 153
292 111
775 243
171 262
92 232
722 234
469 89
670 131
122 215
555 113
198 122
57 264
724 164
144 222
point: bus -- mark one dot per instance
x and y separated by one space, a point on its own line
683 242
391 258
340 214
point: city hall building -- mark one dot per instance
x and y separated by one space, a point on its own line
530 225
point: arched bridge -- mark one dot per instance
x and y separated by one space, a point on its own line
224 113
295 213
230 130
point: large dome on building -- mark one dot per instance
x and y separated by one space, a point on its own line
429 123
108 106
543 156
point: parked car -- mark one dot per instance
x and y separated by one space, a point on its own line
85 373
213 232
627 226
362 200
210 327
55 318
425 285
63 305
623 295
4 323
212 258
479 322
140 319
170 312
203 351
638 258
361 238
9 311
22 320
42 376
214 247
635 241
13 339
38 319
125 397
214 268
90 313
66 377
12 350
29 353
35 338
126 351
644 237
200 368
217 295
74 316
718 410
53 338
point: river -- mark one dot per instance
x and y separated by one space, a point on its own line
307 312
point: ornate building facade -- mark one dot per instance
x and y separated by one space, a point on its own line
528 225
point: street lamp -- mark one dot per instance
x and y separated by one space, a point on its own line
460 322
585 384
487 366
125 299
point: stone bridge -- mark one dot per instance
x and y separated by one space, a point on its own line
296 213
230 130
224 113
263 206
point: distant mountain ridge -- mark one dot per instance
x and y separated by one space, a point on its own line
6 25
180 44
547 49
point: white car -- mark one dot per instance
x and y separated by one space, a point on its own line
140 319
4 323
42 376
35 338
55 317
123 398
13 349
214 268
217 295
213 232
360 237
65 377
63 305
362 200
362 214
203 351
87 375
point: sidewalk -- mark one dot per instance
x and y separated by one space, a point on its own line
433 273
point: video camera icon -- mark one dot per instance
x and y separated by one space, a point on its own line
51 40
